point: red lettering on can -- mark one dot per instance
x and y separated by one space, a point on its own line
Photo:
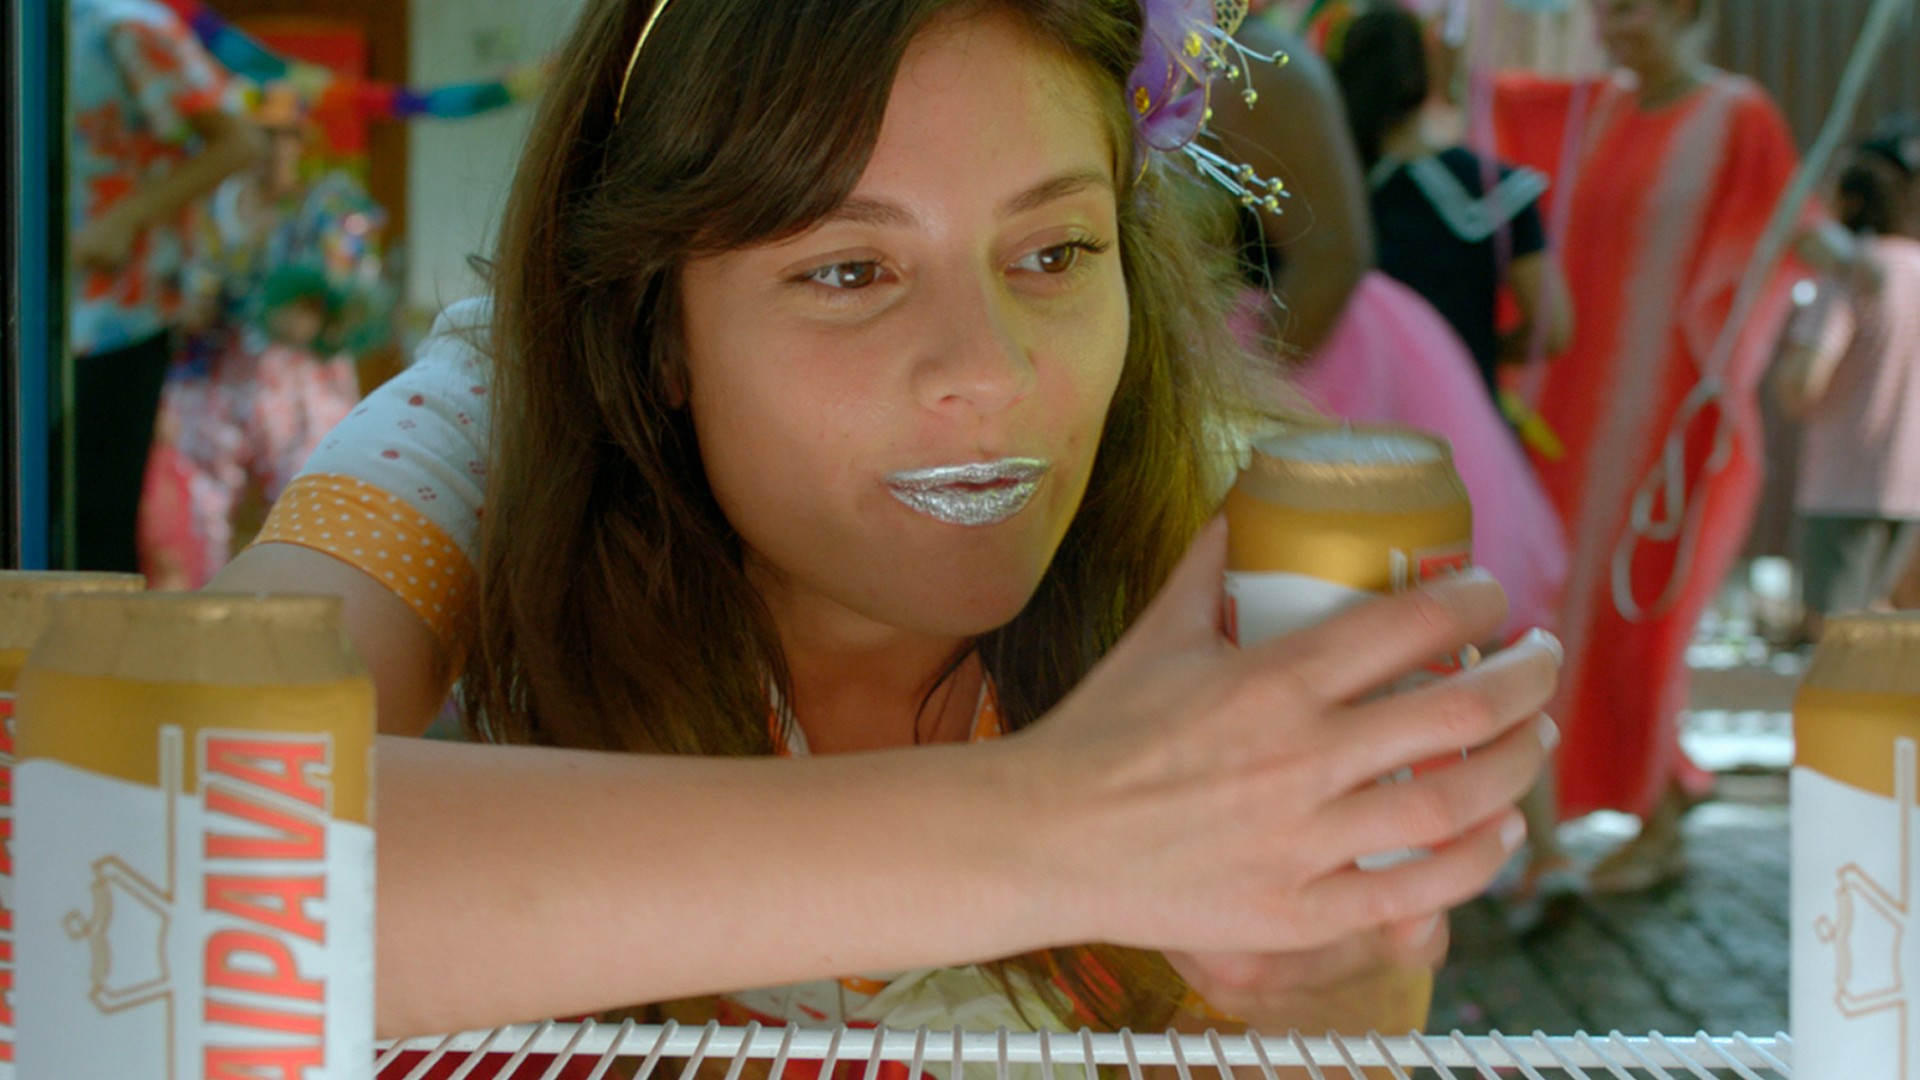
229 1063
285 1023
297 836
285 766
264 893
228 951
277 902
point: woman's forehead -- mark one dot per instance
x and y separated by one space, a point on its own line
985 94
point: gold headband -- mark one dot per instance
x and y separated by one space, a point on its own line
620 103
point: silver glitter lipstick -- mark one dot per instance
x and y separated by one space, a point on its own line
986 493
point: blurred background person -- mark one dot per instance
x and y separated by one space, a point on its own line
286 284
1677 168
1439 227
157 126
1851 375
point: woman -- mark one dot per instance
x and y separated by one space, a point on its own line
1676 170
824 431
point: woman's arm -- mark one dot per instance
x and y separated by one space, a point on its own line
408 663
1830 249
229 143
1188 795
1817 338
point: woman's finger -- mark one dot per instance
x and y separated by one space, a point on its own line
1445 716
1371 645
1353 899
1186 610
1440 804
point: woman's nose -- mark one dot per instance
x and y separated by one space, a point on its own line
977 359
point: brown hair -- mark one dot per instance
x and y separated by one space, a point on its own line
613 609
1382 72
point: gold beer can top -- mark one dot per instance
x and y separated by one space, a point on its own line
1868 654
24 596
224 640
1860 697
1354 468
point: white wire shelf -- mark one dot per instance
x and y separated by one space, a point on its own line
485 1055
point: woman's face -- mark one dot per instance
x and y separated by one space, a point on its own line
1641 34
898 410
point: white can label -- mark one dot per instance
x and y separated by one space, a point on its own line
219 934
1855 999
1262 606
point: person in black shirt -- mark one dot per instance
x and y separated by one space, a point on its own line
1440 227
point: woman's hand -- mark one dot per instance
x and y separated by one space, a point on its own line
1370 981
1198 796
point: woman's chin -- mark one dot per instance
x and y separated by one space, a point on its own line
962 608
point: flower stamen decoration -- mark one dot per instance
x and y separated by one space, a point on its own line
1188 46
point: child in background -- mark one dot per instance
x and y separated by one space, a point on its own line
1852 377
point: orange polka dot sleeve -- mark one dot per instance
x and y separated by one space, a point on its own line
396 490
379 534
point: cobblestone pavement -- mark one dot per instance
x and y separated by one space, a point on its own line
1708 952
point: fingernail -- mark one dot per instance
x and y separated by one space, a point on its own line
1550 643
1513 833
1549 732
1475 574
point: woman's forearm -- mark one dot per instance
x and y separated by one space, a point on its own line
704 876
229 144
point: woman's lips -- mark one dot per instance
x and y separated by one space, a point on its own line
983 493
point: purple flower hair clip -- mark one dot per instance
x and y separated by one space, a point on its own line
1187 46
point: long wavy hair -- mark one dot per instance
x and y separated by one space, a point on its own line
613 611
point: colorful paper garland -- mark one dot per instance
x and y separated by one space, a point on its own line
322 88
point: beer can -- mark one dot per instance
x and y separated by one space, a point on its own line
23 611
1855 867
195 841
1322 519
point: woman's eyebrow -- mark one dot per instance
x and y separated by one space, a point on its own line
1059 187
866 210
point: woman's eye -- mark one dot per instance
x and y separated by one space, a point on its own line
846 275
1060 258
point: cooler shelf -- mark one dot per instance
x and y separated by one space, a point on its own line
1538 1056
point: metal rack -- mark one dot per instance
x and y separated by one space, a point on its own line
499 1053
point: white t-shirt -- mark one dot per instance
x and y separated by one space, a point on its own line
396 490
